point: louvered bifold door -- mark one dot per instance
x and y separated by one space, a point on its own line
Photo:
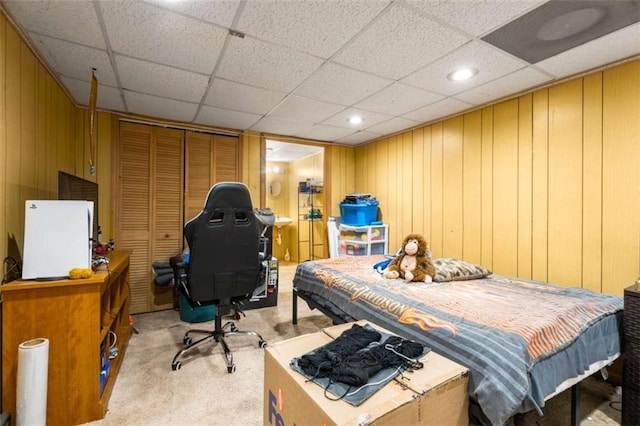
209 159
198 172
149 207
167 183
133 201
225 159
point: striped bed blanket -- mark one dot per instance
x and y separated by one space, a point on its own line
520 339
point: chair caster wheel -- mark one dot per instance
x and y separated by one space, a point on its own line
233 327
176 365
186 340
262 344
231 369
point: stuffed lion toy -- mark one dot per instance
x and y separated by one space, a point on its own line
413 264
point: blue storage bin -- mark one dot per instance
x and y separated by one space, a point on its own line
361 214
191 314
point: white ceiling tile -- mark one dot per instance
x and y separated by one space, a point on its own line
439 109
476 17
319 28
225 118
398 99
54 18
514 83
398 43
108 97
160 80
166 53
240 97
337 84
144 31
287 152
260 64
358 138
155 106
219 12
369 119
305 109
321 132
392 126
280 126
490 63
604 50
75 61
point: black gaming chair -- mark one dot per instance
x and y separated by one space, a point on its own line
224 263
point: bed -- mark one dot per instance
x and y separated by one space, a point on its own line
523 341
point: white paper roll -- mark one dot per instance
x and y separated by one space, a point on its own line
31 389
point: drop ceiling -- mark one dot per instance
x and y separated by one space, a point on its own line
302 68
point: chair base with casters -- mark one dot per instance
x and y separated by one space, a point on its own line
218 334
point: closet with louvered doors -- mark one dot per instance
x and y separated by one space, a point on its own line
148 206
209 159
161 179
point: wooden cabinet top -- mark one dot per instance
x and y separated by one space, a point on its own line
117 262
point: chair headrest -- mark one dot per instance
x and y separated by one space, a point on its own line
225 195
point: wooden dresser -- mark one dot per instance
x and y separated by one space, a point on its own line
77 317
631 369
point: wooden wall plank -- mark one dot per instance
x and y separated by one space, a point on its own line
51 148
417 177
620 190
406 190
359 167
251 168
540 187
565 178
103 167
40 159
28 123
452 178
525 182
487 188
472 187
592 183
426 184
15 204
505 188
437 221
3 138
391 204
382 178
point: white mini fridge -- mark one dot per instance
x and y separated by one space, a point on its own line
57 238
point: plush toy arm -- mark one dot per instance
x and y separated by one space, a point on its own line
393 270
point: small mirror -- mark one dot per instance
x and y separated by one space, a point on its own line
275 188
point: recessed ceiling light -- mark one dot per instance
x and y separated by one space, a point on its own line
356 119
462 74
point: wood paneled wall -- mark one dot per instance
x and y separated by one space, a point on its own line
41 132
253 166
340 176
543 186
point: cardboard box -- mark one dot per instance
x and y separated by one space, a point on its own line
433 395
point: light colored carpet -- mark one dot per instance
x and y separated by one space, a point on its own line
148 392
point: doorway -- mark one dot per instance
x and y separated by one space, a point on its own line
295 193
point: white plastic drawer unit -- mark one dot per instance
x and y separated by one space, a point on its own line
363 240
